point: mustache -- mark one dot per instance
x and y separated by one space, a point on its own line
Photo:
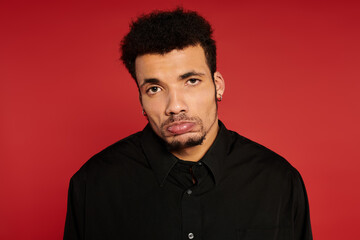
177 118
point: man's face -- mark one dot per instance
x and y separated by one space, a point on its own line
177 93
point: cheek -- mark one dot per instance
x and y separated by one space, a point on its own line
205 99
153 108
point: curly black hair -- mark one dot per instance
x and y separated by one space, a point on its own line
163 31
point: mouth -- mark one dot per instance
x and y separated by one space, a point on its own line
178 128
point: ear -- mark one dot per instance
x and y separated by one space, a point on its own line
219 84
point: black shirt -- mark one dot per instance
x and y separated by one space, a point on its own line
136 189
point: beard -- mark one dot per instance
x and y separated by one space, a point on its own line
175 144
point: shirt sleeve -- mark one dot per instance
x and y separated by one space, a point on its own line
74 223
301 213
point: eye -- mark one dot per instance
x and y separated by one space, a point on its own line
193 81
153 90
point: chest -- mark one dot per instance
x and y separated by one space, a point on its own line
236 208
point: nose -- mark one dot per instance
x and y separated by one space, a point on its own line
175 103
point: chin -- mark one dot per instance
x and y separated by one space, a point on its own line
184 142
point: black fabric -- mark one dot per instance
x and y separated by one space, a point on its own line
136 189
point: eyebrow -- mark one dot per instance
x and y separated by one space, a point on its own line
181 77
191 74
150 81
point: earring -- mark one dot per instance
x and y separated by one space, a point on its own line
144 113
219 98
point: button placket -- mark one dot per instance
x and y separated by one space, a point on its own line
191 215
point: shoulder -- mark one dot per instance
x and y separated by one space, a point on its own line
118 156
256 163
258 157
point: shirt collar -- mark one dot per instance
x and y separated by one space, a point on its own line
217 153
162 161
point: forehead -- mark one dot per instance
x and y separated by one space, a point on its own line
172 64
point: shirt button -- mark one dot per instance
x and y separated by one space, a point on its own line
189 192
199 163
190 235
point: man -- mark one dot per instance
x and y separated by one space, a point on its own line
185 176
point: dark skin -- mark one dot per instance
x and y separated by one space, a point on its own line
177 94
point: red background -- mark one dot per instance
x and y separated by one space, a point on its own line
292 83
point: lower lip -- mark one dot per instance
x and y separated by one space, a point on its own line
181 128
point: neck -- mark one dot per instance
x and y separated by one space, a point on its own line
195 153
